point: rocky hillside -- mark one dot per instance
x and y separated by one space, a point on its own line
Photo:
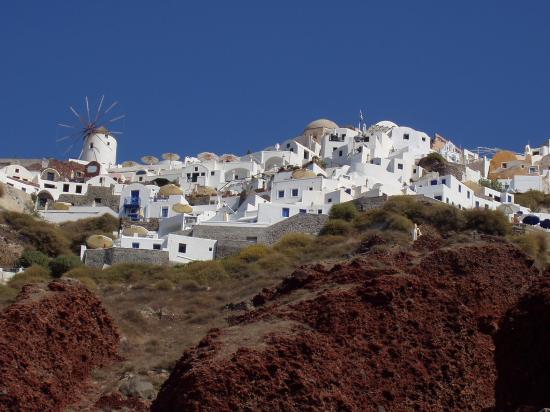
14 200
429 327
52 337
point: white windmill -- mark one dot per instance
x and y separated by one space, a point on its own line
94 131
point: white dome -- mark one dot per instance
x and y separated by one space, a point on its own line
320 123
386 123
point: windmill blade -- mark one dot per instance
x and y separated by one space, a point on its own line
122 116
63 138
77 115
87 108
65 125
69 149
110 132
99 107
111 107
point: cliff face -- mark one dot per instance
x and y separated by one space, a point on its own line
50 340
426 328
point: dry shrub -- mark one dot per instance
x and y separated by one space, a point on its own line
381 219
491 222
41 235
77 232
33 274
293 241
164 284
536 245
337 227
345 211
135 317
2 190
253 253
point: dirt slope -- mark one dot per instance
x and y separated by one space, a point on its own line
397 330
50 340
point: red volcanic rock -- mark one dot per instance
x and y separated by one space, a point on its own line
417 334
50 340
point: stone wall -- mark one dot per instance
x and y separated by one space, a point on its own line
97 258
103 194
367 203
231 239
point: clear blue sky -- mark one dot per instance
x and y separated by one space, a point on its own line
227 76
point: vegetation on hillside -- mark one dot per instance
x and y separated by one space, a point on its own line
492 184
533 199
2 190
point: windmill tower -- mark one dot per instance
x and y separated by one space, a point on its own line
93 130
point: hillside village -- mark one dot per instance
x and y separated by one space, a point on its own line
179 210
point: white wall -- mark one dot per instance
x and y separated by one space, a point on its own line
195 248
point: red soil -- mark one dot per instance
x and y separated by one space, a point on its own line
50 340
418 329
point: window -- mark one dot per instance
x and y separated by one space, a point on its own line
47 186
97 200
196 169
320 211
182 248
504 165
135 245
156 246
477 203
306 155
536 152
303 211
310 188
78 189
423 139
285 212
438 197
252 239
236 176
459 188
292 149
400 166
287 145
433 182
486 206
280 194
294 192
210 249
91 145
367 139
329 200
164 212
211 173
414 170
340 153
50 176
65 188
509 199
406 136
23 189
16 170
334 149
203 174
532 170
468 194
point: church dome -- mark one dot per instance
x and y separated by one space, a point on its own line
321 123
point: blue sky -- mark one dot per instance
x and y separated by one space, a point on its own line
230 76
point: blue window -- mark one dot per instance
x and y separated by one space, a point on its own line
135 245
286 212
433 182
281 193
509 199
164 212
294 192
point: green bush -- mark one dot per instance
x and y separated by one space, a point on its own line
434 156
34 274
345 211
491 222
337 227
491 184
62 264
34 257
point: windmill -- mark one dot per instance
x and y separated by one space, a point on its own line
93 130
